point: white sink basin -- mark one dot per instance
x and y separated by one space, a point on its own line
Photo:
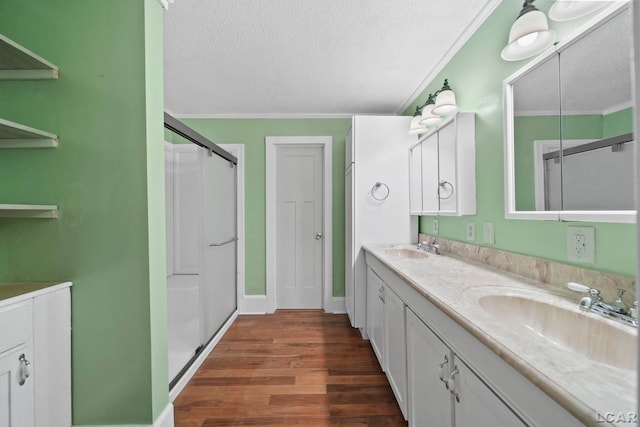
597 339
405 253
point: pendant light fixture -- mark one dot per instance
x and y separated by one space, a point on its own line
529 35
566 10
446 101
438 104
428 118
415 127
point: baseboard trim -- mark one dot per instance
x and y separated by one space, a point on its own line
252 304
166 417
181 384
336 306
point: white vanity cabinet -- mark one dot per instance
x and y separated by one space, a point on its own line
35 355
442 169
396 347
443 390
430 346
375 313
386 331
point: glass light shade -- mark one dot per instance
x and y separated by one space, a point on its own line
445 103
529 36
568 9
428 118
415 127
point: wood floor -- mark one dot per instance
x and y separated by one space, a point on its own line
291 368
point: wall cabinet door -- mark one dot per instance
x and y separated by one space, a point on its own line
428 366
447 182
375 315
430 203
477 405
16 400
396 346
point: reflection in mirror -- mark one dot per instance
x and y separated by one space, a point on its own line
597 106
572 121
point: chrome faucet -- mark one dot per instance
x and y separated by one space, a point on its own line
616 310
432 248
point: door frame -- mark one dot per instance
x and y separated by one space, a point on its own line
271 144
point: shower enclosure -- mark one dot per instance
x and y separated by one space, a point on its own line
201 191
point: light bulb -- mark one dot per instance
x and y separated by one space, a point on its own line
528 40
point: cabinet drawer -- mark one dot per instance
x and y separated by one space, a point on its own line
16 322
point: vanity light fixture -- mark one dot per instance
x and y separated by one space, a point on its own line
438 104
529 35
428 118
566 10
415 127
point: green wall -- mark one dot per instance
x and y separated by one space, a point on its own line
476 74
107 178
252 133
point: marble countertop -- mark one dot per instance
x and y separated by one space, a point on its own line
15 292
586 388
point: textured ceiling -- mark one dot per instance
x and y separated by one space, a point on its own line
261 58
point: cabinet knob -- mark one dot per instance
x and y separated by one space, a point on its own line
25 369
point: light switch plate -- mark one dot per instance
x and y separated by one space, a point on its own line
581 244
487 231
471 231
435 228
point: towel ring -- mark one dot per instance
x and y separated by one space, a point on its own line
443 185
375 187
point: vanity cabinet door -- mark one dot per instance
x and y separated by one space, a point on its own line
447 183
375 315
16 400
428 360
430 174
477 405
395 340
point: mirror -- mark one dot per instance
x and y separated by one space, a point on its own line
569 146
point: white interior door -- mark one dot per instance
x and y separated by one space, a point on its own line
299 226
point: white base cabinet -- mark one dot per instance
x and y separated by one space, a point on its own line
451 378
375 312
443 390
35 359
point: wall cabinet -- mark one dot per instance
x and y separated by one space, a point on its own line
35 357
443 390
442 169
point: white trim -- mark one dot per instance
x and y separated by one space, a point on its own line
473 26
327 143
252 304
336 305
180 385
166 417
238 151
609 110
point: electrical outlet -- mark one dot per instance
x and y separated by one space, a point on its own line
581 244
471 231
489 236
435 227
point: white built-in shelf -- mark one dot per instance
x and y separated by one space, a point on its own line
19 63
15 135
28 211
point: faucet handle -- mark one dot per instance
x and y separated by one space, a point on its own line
578 287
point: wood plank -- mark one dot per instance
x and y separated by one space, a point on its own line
291 368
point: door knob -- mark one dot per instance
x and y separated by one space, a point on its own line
318 236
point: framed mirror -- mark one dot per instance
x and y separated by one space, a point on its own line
569 147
